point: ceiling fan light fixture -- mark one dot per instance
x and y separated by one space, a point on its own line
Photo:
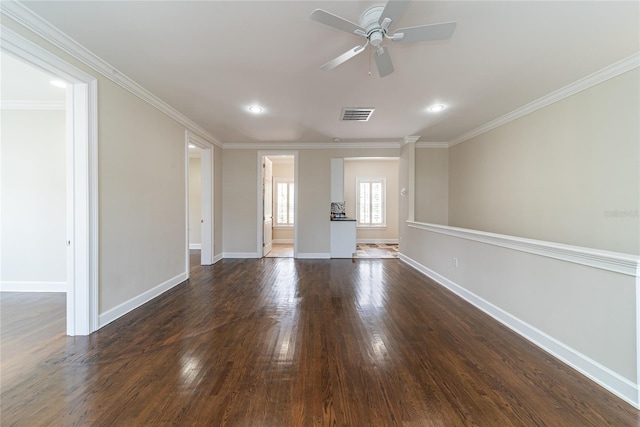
255 109
436 108
374 25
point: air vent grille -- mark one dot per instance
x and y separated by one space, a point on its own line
356 114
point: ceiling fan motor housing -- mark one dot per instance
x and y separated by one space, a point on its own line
369 20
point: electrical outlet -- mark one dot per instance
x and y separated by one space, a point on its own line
455 262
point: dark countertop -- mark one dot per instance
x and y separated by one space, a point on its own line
343 219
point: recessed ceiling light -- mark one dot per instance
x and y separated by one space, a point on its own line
58 83
337 139
255 109
436 108
192 146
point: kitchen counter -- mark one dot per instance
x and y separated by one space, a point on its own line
343 237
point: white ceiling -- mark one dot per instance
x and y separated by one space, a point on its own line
211 59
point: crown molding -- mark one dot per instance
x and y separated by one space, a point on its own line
308 146
32 105
410 139
432 145
24 16
600 76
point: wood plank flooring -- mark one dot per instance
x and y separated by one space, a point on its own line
284 342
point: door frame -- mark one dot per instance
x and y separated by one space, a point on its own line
207 199
267 246
261 154
82 177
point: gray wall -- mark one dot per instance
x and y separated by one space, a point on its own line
556 173
432 185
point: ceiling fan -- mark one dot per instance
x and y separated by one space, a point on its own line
374 25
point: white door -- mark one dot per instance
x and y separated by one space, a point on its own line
267 206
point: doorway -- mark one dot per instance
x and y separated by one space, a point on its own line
277 204
372 197
199 230
34 266
82 179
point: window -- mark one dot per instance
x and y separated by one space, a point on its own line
371 194
284 202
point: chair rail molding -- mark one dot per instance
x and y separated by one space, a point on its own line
606 260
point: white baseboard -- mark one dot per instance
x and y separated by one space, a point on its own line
240 255
282 241
135 302
217 258
378 241
195 246
11 286
311 255
615 383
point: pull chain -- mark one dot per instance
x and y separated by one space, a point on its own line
369 60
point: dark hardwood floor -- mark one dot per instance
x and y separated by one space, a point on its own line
283 342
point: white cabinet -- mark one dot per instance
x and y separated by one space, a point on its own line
337 180
343 239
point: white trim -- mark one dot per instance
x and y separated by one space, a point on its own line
32 105
135 302
82 141
312 255
276 196
11 286
432 145
600 374
195 246
187 255
410 139
217 258
240 255
378 241
605 260
368 159
307 146
600 76
28 19
94 232
370 181
282 241
638 333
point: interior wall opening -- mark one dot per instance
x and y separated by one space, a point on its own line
35 270
278 205
372 197
199 221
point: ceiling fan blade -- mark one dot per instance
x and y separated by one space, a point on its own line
343 58
335 21
393 10
425 33
383 61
